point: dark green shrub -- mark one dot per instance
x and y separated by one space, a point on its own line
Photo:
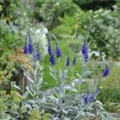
94 4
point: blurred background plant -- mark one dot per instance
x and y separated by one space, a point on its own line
101 27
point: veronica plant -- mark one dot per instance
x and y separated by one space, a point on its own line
65 101
28 47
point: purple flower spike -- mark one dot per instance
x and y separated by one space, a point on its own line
106 71
85 99
52 59
51 51
68 61
58 51
90 97
25 49
30 48
30 45
74 61
85 51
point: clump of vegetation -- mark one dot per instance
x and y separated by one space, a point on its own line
100 27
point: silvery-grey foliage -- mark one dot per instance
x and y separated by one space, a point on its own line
64 101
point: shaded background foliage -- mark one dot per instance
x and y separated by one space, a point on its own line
95 4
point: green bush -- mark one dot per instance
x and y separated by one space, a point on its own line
10 38
49 11
100 27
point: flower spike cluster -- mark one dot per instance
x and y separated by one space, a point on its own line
29 49
51 51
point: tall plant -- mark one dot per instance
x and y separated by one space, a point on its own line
66 100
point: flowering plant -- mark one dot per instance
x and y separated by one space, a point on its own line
65 101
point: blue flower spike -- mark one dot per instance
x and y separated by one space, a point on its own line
52 57
106 71
25 48
68 60
74 61
58 50
51 51
52 60
85 51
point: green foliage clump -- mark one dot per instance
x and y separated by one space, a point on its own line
10 38
49 11
9 104
103 30
36 115
110 92
100 27
110 95
6 71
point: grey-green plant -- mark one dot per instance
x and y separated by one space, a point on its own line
66 100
